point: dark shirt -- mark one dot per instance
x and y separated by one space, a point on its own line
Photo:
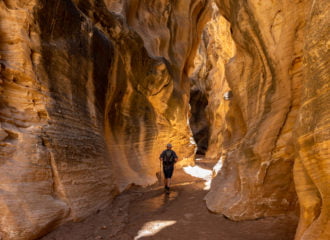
162 155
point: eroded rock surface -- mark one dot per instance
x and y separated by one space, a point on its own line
283 111
312 165
54 76
88 101
209 85
91 91
265 78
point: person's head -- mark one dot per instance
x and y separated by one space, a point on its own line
169 146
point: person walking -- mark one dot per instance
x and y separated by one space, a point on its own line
168 157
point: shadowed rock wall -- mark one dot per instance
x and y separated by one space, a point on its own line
88 101
54 77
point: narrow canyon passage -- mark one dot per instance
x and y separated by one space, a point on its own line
150 213
91 91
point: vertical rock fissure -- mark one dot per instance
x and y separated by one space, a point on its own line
209 108
198 121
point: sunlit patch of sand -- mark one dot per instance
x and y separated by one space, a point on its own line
206 174
153 227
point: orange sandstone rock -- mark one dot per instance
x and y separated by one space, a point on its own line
87 105
91 91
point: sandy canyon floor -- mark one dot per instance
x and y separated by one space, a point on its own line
150 213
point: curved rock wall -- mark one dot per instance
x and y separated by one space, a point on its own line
265 77
91 91
209 82
54 159
278 77
88 101
152 109
312 130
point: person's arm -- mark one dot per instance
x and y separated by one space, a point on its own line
175 157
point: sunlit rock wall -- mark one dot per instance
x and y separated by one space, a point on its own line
265 76
152 106
209 109
279 78
312 165
91 91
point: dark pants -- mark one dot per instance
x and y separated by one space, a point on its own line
168 171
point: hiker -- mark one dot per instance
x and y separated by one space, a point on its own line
168 158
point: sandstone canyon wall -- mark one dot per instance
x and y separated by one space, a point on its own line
209 85
265 77
54 159
282 107
312 130
92 90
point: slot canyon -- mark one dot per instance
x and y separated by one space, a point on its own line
91 91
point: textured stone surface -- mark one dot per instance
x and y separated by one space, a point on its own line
312 165
209 84
151 106
265 76
281 103
54 162
88 101
91 91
